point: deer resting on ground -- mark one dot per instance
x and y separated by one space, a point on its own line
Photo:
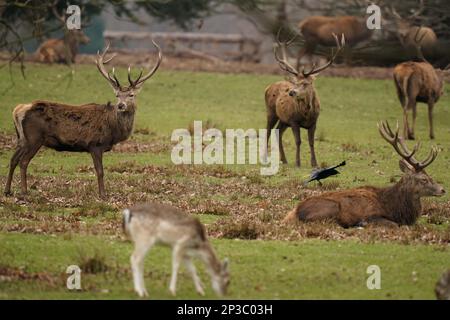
395 205
153 223
93 128
295 103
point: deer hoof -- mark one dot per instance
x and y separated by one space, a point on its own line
7 193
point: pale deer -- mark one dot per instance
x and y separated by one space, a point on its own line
93 128
62 50
319 30
295 103
418 81
153 223
395 205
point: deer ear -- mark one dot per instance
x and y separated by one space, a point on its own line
406 167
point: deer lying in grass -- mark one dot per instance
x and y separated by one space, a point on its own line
418 82
295 103
395 205
152 223
93 128
62 50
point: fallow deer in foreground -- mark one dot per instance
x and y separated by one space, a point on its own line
153 223
295 103
395 205
418 82
93 128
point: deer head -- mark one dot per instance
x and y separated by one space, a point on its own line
404 24
303 80
416 180
221 280
126 95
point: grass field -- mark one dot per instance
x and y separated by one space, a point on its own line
62 222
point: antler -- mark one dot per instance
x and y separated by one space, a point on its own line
391 11
400 147
60 17
140 79
100 62
418 11
284 65
339 46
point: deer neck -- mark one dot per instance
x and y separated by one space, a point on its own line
401 203
124 125
213 265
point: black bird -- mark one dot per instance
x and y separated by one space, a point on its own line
324 173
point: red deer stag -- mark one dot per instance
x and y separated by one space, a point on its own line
295 103
418 82
407 33
93 128
395 205
62 50
319 30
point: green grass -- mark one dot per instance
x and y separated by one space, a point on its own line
63 219
261 270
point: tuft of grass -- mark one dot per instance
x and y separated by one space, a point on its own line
92 264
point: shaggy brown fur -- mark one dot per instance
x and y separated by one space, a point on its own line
395 205
289 107
318 30
61 50
93 128
418 82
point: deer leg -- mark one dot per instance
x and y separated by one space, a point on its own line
311 133
298 142
379 221
271 122
405 123
430 118
97 157
410 105
281 127
177 254
27 155
137 265
193 271
12 166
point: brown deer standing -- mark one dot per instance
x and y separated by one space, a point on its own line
395 205
93 128
62 50
295 103
319 30
418 82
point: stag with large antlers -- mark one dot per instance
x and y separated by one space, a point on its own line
93 128
418 82
294 103
394 205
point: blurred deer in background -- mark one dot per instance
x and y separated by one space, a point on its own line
62 50
152 223
408 34
320 30
295 103
395 205
418 82
93 128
